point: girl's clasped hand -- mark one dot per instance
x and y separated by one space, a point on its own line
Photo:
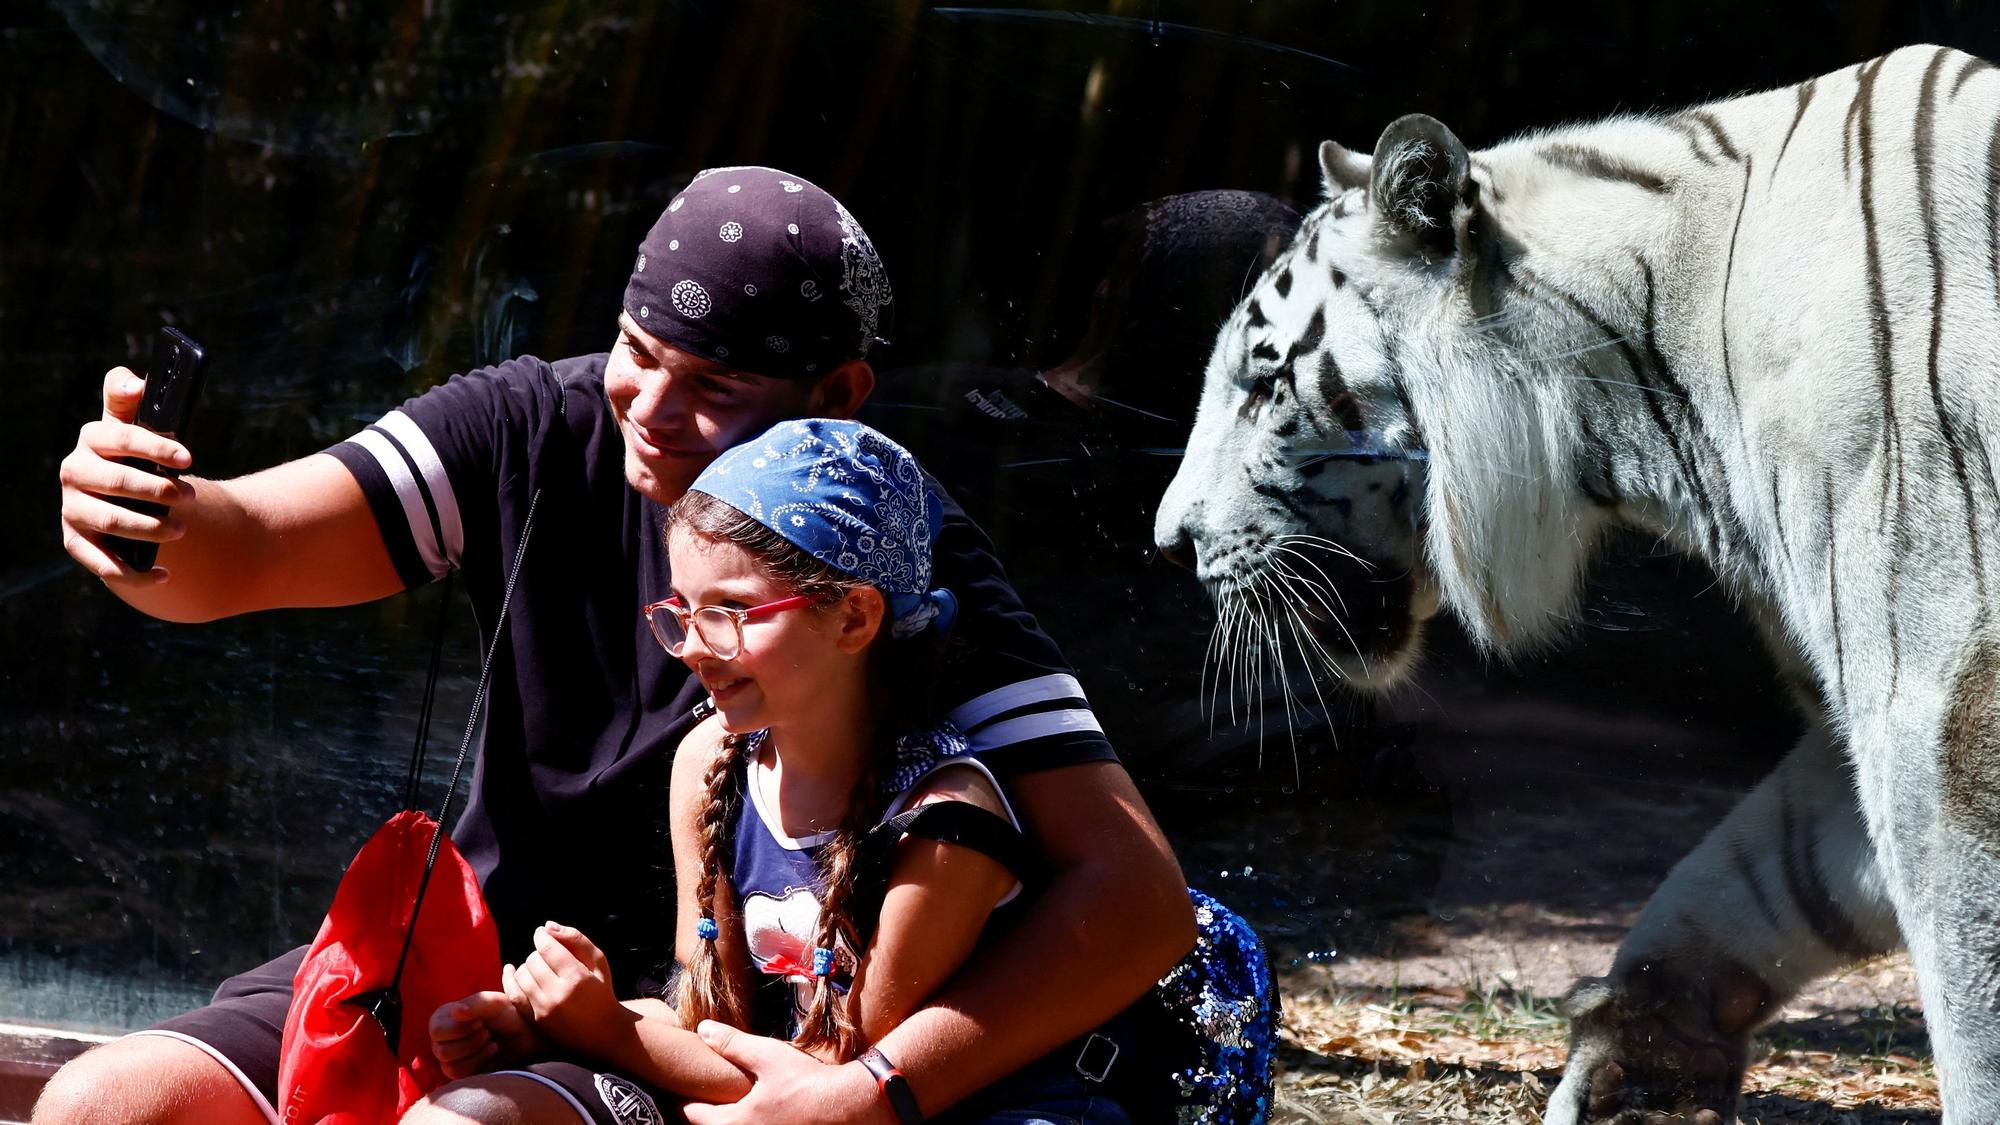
560 996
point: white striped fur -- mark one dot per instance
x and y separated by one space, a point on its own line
1768 330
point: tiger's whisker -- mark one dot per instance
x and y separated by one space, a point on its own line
1617 383
1315 592
1323 541
1340 621
1325 656
1331 587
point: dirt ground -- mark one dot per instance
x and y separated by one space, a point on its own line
1424 937
1472 1032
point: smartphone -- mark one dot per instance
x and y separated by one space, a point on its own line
172 383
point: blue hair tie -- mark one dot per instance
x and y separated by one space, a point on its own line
706 929
822 962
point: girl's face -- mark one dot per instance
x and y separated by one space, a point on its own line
788 661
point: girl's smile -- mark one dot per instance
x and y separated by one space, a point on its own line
721 690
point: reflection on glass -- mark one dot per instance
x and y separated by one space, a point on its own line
1074 202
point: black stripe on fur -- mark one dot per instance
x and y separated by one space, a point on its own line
1806 89
1716 131
1808 887
1683 458
1310 338
1739 857
1664 371
1864 81
1923 145
1340 401
1284 497
1893 459
1728 270
1778 527
1693 137
1832 537
1972 66
1880 331
1603 166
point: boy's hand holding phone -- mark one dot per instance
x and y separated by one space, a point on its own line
127 458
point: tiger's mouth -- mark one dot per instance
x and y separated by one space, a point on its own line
1358 620
1382 628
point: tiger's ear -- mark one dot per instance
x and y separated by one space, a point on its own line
1421 172
1342 168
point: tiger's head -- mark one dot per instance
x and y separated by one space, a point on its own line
1372 440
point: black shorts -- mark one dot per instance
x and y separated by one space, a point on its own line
602 1097
244 1026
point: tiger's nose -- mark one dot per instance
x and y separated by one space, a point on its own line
1178 550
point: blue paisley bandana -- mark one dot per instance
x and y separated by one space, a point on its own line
920 750
849 497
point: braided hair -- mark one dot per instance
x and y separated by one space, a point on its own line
707 989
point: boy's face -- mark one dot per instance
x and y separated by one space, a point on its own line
677 412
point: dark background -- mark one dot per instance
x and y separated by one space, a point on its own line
348 200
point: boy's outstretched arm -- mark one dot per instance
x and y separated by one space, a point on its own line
299 534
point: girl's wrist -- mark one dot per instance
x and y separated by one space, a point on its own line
616 1039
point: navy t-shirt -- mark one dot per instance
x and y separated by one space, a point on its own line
567 815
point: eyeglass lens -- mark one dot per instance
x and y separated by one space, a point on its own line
717 626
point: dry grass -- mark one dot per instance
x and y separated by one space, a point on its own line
1490 1052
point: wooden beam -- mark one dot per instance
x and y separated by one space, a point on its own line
29 1056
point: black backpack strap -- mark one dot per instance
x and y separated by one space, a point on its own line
965 825
948 822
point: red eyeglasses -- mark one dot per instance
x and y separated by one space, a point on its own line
720 627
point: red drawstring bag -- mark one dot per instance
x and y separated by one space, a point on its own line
408 932
357 1046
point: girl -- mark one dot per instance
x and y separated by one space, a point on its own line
819 899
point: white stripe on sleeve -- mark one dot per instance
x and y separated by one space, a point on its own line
1041 689
398 472
1038 725
401 427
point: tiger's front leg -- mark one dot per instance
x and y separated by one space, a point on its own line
1783 891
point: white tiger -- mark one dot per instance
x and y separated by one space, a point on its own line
1765 329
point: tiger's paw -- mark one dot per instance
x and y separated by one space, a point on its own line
1657 1047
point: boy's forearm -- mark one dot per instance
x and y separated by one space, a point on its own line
300 534
1093 942
213 565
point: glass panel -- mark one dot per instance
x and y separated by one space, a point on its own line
348 206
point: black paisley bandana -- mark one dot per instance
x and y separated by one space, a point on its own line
760 271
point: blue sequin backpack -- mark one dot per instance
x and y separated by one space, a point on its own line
1214 1032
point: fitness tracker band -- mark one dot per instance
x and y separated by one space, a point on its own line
894 1087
